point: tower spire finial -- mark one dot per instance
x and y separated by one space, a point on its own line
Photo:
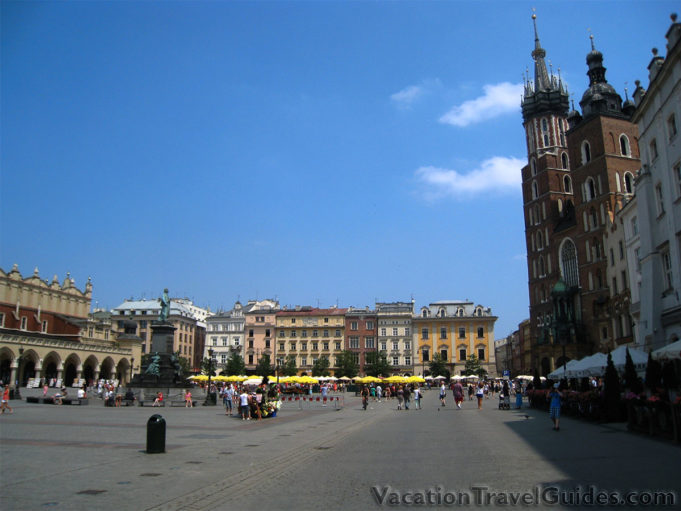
541 75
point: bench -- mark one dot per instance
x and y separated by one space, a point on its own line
148 400
75 401
180 402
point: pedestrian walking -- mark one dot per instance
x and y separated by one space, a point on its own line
480 394
244 405
407 397
470 392
228 399
443 394
188 399
458 394
518 395
554 407
5 400
379 392
365 397
400 397
325 392
417 398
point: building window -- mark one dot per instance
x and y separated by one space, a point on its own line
354 341
624 146
338 333
564 161
303 346
533 167
671 126
590 189
462 332
462 355
545 132
44 327
624 280
567 184
250 333
236 341
224 341
667 268
281 346
325 345
535 190
677 176
293 333
396 345
325 333
614 286
293 321
267 343
443 332
653 150
282 333
395 331
568 263
353 325
621 247
481 354
326 320
424 333
396 361
315 333
338 345
444 355
407 345
215 341
425 355
628 182
406 331
315 346
303 361
293 346
250 343
407 361
481 332
659 200
267 332
369 343
24 322
586 152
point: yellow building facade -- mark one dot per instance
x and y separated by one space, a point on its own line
308 334
455 330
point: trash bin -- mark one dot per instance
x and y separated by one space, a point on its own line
213 398
156 434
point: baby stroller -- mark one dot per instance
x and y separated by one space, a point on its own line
504 402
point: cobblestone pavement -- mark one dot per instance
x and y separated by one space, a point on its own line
70 457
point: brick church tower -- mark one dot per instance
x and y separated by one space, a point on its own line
572 185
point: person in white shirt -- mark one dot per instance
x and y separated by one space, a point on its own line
244 405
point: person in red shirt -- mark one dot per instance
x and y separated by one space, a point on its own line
5 400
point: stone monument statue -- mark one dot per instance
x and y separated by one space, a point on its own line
165 306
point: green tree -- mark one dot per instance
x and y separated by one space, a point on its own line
264 367
473 367
377 364
438 366
289 368
631 379
611 383
321 367
235 365
653 373
347 365
208 365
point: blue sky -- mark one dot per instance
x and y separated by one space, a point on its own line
318 152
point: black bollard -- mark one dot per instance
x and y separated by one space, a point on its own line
156 434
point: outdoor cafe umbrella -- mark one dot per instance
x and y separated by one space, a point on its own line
593 365
345 378
562 370
415 379
199 377
669 352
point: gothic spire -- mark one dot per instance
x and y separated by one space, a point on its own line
541 75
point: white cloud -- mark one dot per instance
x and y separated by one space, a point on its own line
498 174
497 100
408 96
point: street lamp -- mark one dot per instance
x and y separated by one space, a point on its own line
132 363
17 392
210 370
278 368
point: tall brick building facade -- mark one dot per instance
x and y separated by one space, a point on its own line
580 171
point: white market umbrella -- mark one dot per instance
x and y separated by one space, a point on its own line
558 373
638 357
669 352
593 365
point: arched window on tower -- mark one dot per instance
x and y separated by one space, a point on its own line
586 152
540 241
533 166
535 190
564 160
568 263
625 148
590 189
628 182
567 184
542 267
593 216
545 132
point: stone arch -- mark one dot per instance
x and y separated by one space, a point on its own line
107 369
123 370
52 366
7 358
30 366
90 370
71 371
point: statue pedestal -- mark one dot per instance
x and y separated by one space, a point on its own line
161 368
162 337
